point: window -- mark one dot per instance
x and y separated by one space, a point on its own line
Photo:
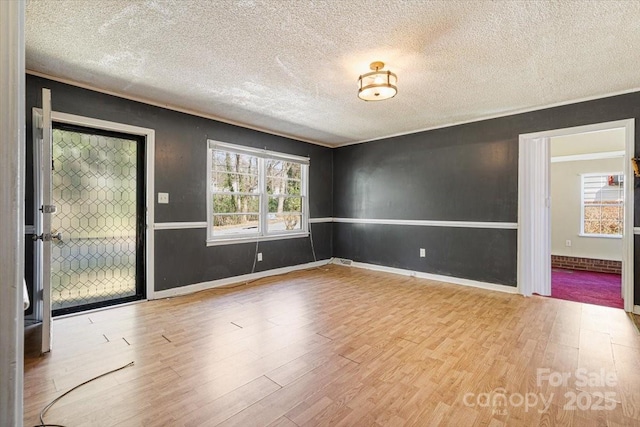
255 194
602 204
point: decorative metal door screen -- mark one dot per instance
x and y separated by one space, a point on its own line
96 191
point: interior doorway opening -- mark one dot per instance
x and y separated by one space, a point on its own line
534 209
587 216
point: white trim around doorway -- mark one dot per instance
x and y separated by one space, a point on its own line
528 238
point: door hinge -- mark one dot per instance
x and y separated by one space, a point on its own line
47 237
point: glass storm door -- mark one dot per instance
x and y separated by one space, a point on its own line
89 217
97 188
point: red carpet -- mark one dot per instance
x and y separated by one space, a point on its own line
586 286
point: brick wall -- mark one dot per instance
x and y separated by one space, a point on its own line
587 264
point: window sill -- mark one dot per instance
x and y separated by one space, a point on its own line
252 239
604 236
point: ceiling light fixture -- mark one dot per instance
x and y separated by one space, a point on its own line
378 84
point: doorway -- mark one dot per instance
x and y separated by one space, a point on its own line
587 216
534 202
98 188
93 214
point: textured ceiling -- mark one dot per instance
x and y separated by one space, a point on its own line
290 67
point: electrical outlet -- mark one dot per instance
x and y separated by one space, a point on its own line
259 256
163 198
423 252
567 243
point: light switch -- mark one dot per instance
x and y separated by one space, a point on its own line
163 198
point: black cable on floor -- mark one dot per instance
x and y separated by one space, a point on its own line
313 249
255 256
46 408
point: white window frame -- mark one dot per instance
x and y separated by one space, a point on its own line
582 232
262 234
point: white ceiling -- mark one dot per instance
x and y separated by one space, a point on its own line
290 67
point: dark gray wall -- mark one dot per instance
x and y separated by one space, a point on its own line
465 173
397 246
181 256
462 174
188 263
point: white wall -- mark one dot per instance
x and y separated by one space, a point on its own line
586 143
566 197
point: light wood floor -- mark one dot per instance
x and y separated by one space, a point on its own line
339 346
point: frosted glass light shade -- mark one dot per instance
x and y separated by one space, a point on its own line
377 85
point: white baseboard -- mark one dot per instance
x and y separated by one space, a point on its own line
636 309
189 289
437 277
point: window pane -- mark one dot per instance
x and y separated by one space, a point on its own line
610 196
233 172
285 213
235 224
235 183
613 212
594 187
281 204
283 177
591 213
592 227
231 204
227 161
611 227
611 219
284 222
